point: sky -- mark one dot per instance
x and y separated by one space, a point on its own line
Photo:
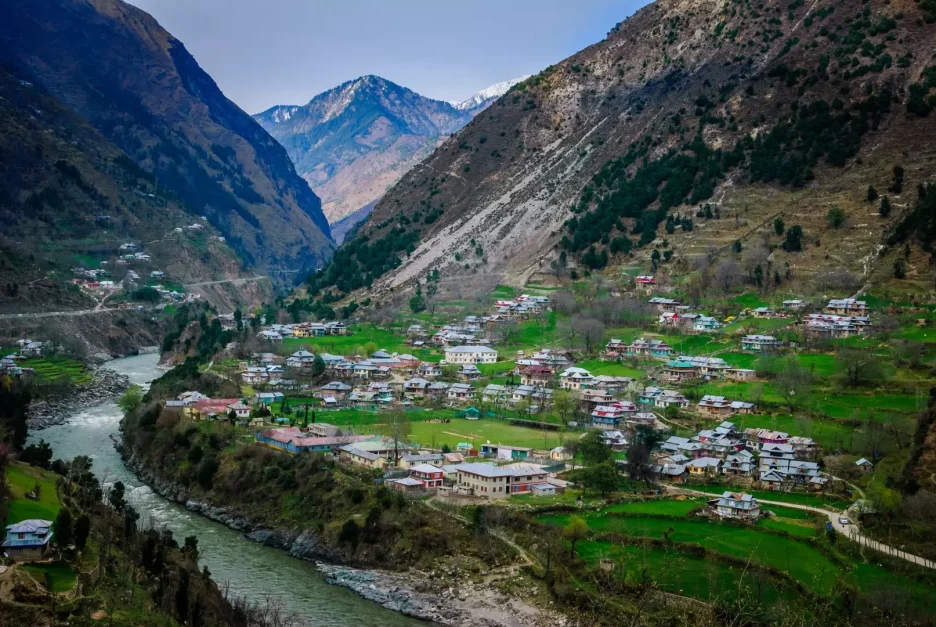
268 52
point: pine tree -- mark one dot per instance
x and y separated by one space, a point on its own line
885 207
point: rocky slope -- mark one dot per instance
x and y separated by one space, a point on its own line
70 197
115 67
759 109
353 142
483 99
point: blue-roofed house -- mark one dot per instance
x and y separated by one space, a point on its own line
28 540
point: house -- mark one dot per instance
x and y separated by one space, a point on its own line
672 473
739 464
469 372
415 387
28 540
560 454
589 399
677 370
740 374
794 304
294 440
712 405
649 348
678 320
759 343
615 440
490 481
414 459
664 304
764 312
707 368
611 384
645 280
240 410
668 398
350 454
737 505
494 393
470 355
864 465
705 324
574 378
271 336
610 416
536 376
461 392
268 398
615 348
704 466
429 370
212 409
300 359
847 307
407 485
431 476
504 452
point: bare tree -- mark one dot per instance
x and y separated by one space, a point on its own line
589 330
792 382
837 279
859 367
564 302
728 275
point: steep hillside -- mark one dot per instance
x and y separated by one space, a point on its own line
138 86
353 142
758 109
70 198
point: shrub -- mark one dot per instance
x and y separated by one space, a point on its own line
794 239
835 217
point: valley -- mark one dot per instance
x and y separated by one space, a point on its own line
647 337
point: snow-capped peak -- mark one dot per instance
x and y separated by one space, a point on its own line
488 93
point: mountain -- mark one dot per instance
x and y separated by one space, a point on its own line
778 109
486 97
71 198
353 142
116 68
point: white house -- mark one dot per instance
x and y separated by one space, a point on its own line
470 355
738 505
575 378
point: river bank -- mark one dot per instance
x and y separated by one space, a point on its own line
245 568
56 407
446 596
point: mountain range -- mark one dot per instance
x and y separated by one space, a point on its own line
161 128
353 142
683 135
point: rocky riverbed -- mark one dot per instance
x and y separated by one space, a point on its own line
444 597
56 407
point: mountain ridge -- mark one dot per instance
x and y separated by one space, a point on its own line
135 83
776 110
353 141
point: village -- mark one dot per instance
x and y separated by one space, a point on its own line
464 382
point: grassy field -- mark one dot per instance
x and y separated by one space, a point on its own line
62 575
22 479
799 560
597 367
55 368
660 507
680 573
795 498
797 528
479 432
755 325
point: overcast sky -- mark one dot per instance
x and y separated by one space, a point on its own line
267 52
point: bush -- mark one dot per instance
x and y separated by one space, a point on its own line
885 207
206 472
794 239
835 217
778 225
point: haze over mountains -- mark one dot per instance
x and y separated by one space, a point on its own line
353 142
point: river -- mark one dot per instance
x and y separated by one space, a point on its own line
250 569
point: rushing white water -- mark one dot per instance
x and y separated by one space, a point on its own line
250 569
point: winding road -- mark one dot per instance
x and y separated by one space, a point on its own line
850 531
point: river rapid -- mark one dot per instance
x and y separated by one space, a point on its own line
250 569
